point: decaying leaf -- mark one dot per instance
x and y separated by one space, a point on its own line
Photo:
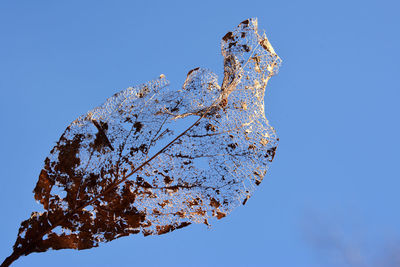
126 167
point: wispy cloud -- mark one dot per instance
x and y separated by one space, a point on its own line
343 241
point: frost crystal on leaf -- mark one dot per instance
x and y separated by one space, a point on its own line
124 168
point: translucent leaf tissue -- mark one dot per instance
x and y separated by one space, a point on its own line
128 166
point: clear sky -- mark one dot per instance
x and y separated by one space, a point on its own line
331 197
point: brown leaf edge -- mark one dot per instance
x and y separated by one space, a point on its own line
18 252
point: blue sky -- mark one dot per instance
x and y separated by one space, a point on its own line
331 197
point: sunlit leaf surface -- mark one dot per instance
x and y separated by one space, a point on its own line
129 166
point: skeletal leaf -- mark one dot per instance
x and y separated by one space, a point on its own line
125 167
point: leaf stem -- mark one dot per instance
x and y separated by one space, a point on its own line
10 259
